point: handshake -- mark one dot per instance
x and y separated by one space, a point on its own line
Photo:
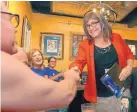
73 73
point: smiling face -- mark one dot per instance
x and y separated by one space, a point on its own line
52 63
37 59
93 28
95 25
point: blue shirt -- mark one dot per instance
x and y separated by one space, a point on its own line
52 72
40 72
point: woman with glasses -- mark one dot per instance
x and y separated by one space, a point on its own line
100 51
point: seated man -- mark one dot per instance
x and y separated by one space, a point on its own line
52 74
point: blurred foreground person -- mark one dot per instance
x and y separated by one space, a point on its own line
22 89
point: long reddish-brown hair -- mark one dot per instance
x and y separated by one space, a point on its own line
30 53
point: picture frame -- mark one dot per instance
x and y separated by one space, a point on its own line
52 44
133 46
26 34
76 39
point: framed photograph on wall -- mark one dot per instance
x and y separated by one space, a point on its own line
76 39
133 46
52 44
26 34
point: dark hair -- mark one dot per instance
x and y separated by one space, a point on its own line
106 28
51 58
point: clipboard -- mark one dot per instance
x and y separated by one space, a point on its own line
112 82
114 73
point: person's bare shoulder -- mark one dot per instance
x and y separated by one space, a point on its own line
14 71
20 83
11 67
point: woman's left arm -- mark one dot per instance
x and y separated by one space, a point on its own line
126 71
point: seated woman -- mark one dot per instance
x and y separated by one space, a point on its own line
36 62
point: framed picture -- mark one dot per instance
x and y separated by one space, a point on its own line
26 34
76 39
52 44
133 46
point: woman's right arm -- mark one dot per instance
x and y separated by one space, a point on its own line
79 61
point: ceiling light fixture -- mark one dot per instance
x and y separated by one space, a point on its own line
106 10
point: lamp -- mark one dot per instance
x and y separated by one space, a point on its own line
106 10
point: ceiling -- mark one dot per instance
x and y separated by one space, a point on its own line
126 10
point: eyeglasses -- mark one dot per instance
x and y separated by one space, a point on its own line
14 19
93 24
53 61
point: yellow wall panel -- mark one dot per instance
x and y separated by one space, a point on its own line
22 8
55 24
59 24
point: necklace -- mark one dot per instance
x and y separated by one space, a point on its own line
103 50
